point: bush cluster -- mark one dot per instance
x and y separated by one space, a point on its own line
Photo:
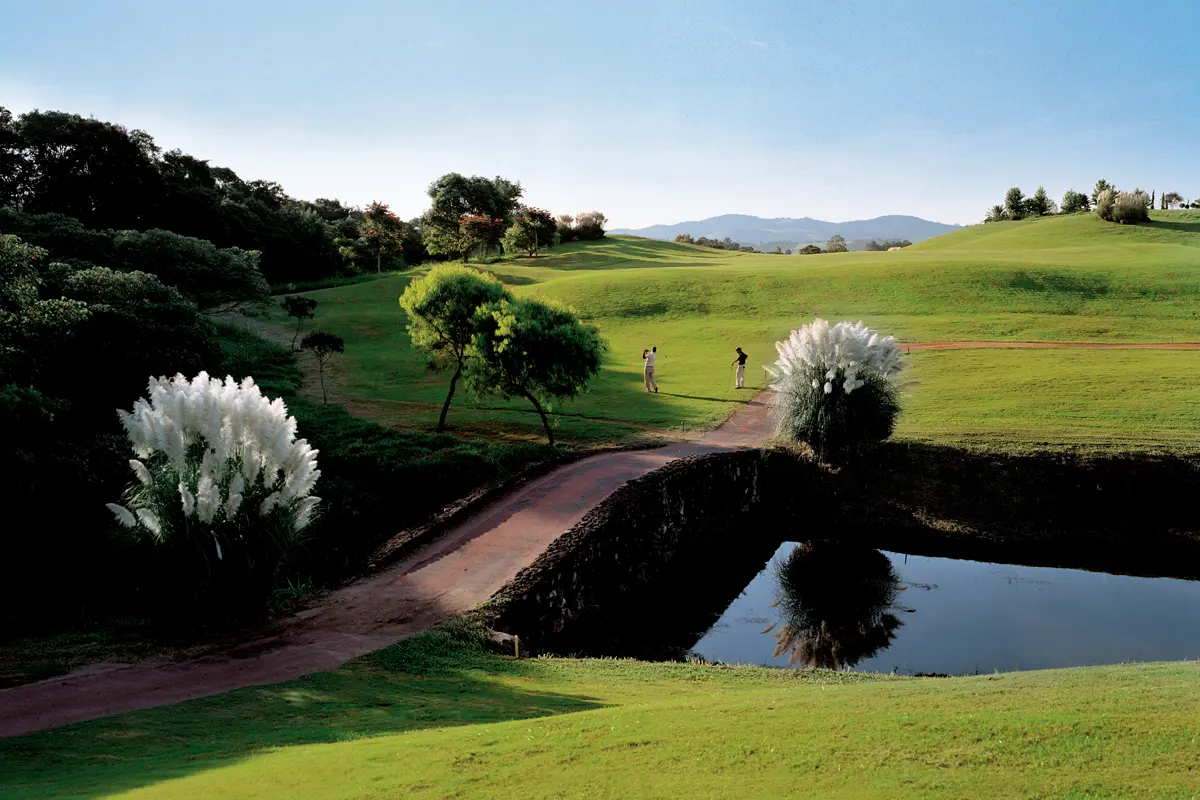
835 388
1126 208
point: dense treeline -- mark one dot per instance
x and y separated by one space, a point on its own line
111 178
113 255
715 244
1018 206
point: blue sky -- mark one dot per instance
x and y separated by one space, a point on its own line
650 111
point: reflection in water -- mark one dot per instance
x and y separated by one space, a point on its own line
836 604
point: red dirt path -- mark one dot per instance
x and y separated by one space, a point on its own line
1050 345
460 570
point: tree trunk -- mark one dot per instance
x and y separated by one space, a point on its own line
297 334
446 405
545 419
379 263
321 372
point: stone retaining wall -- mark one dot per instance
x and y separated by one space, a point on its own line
630 538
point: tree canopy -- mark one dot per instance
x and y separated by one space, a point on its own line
531 230
444 317
1074 202
536 350
836 244
453 198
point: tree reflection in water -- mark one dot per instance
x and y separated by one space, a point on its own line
836 604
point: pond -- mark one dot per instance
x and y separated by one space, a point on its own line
838 606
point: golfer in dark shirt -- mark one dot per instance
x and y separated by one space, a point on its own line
741 369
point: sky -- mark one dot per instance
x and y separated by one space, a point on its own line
650 111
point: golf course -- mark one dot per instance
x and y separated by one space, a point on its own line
1061 279
442 714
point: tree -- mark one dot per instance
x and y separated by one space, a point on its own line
532 229
382 234
536 350
874 247
479 233
836 244
1014 203
323 345
1102 186
218 279
1039 204
810 250
590 225
299 308
1074 202
455 197
1170 199
444 318
685 238
566 228
996 214
109 177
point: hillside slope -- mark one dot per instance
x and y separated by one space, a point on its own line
1074 230
1056 279
435 717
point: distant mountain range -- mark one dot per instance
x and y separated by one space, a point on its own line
767 234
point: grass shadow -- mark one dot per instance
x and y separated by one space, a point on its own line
745 402
444 678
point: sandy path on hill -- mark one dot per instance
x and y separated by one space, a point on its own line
461 569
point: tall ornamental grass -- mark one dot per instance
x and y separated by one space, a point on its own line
836 388
223 487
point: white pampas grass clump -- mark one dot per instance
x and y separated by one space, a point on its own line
214 458
835 386
123 515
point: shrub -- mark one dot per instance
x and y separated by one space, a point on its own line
1130 208
223 486
1105 200
590 225
835 388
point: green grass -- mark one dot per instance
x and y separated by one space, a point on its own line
1115 400
436 717
1056 279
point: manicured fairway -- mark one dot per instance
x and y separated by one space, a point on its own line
434 717
1056 279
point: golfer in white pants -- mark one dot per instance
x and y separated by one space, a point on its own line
741 369
648 371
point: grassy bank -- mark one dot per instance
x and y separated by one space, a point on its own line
1056 279
436 716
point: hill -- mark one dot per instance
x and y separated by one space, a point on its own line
783 231
1058 279
1071 231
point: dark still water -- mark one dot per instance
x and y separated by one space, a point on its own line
828 605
